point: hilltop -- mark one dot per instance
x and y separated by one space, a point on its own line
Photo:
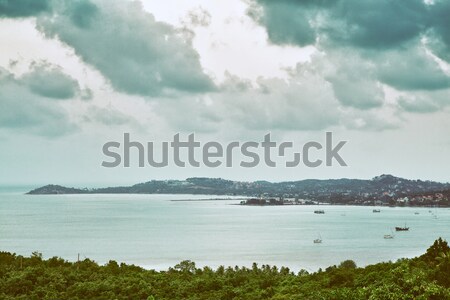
383 189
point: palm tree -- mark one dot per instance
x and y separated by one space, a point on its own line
443 258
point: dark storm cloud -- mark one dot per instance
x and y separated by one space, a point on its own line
136 53
441 28
367 43
370 24
285 23
367 24
49 81
82 13
377 24
23 8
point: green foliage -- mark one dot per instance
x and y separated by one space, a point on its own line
347 264
439 246
425 277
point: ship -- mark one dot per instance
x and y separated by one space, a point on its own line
319 211
404 228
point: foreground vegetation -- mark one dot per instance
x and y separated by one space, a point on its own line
425 277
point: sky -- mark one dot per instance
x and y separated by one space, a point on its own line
75 75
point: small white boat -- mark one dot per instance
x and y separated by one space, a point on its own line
318 240
389 236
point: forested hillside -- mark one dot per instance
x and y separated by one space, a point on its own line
425 277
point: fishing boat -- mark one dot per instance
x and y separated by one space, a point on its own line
376 210
319 211
404 228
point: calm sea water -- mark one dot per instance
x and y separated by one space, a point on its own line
154 232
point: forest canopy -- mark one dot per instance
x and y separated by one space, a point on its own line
424 277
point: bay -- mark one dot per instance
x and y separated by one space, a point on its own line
154 232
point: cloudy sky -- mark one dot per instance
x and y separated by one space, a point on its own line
77 74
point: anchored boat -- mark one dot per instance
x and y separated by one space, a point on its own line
318 240
402 228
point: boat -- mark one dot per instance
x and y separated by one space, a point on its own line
416 213
376 210
389 236
319 211
404 228
318 240
401 228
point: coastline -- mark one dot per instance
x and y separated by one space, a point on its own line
383 190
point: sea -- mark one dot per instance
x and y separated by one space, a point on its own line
159 231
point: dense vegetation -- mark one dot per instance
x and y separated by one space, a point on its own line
384 189
425 277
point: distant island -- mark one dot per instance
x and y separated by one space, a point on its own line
380 190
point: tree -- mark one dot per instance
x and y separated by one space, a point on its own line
348 264
186 266
439 246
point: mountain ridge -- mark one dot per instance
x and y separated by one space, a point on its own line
384 188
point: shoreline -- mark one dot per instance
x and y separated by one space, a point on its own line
239 197
206 199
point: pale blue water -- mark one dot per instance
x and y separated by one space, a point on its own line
151 231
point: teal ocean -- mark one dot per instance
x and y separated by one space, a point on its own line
154 232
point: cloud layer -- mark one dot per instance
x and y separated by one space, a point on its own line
32 104
137 54
369 44
374 61
23 8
